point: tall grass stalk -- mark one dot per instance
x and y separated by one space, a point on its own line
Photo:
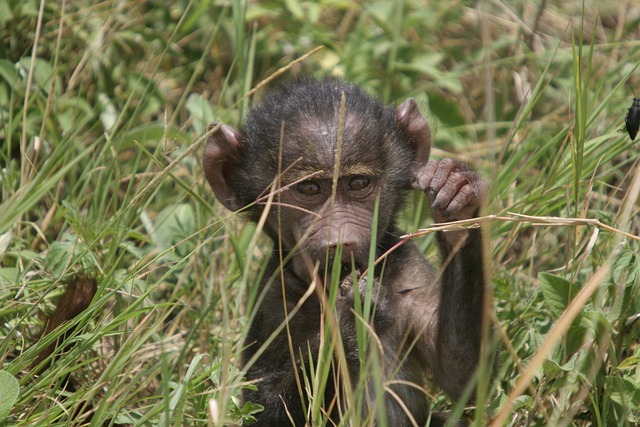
103 112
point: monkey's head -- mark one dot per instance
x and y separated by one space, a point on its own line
331 152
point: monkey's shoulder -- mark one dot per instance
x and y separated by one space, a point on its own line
407 268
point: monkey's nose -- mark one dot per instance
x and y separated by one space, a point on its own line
348 249
347 244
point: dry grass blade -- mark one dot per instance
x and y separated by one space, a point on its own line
551 221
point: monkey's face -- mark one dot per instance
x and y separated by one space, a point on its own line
332 153
319 218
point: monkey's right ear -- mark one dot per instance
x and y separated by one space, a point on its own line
221 157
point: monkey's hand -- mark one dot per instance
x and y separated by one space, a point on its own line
380 296
454 190
348 290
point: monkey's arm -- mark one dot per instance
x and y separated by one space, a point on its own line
456 193
459 327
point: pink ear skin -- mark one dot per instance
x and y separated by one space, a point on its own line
416 128
220 156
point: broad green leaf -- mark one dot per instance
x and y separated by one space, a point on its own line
558 292
201 110
8 72
42 73
9 389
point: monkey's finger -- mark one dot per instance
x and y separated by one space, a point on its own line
469 198
456 181
463 199
441 176
425 175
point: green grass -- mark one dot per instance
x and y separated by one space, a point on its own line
100 143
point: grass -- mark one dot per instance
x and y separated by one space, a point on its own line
100 138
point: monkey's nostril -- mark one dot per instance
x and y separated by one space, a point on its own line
349 244
346 244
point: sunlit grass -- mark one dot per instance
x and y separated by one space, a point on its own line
100 140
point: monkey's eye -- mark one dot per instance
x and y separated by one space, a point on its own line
309 188
359 182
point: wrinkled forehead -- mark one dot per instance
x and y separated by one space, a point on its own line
324 146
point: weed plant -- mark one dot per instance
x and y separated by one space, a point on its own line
103 111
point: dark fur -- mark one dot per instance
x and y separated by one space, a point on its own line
434 319
306 110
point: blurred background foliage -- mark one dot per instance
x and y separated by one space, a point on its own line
102 109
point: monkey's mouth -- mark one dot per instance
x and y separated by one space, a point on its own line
348 263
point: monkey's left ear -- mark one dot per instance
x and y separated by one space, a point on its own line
416 129
219 159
